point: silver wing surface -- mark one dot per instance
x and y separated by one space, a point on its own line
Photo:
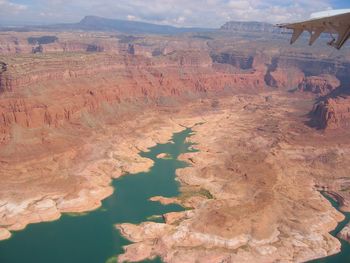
332 22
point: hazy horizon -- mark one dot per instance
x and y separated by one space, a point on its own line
180 13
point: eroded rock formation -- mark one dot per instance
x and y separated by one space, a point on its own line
333 113
72 121
48 90
321 85
250 190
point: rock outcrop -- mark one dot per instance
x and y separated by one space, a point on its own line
72 121
321 85
333 113
345 233
102 71
50 89
332 110
255 173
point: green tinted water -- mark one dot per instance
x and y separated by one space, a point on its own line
344 255
92 237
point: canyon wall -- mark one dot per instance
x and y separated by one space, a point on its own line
53 80
327 78
71 118
39 90
333 113
321 85
332 110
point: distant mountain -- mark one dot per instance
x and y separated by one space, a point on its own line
106 24
96 23
251 27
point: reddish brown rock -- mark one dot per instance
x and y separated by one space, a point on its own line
333 113
285 78
320 85
54 89
70 122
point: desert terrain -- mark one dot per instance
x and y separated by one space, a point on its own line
76 109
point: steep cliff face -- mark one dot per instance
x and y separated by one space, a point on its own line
290 70
327 78
238 60
333 113
3 84
30 42
26 43
51 89
321 85
75 72
38 90
281 75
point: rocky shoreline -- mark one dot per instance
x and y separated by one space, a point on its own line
71 120
279 215
94 177
249 189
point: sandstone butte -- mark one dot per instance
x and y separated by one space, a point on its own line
76 114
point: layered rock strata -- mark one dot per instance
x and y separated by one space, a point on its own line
250 191
52 89
75 178
72 121
321 85
333 113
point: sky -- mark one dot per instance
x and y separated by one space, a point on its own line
183 13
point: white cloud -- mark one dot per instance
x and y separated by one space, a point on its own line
131 17
205 13
239 5
9 8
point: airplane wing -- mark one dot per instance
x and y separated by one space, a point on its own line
332 21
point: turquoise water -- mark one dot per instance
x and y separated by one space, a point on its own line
92 237
344 255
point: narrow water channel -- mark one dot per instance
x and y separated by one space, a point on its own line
92 237
344 255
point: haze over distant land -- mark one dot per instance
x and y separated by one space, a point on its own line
195 13
94 23
81 103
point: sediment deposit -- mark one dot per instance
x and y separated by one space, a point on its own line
74 116
258 197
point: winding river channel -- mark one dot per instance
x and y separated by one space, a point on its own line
344 255
92 237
